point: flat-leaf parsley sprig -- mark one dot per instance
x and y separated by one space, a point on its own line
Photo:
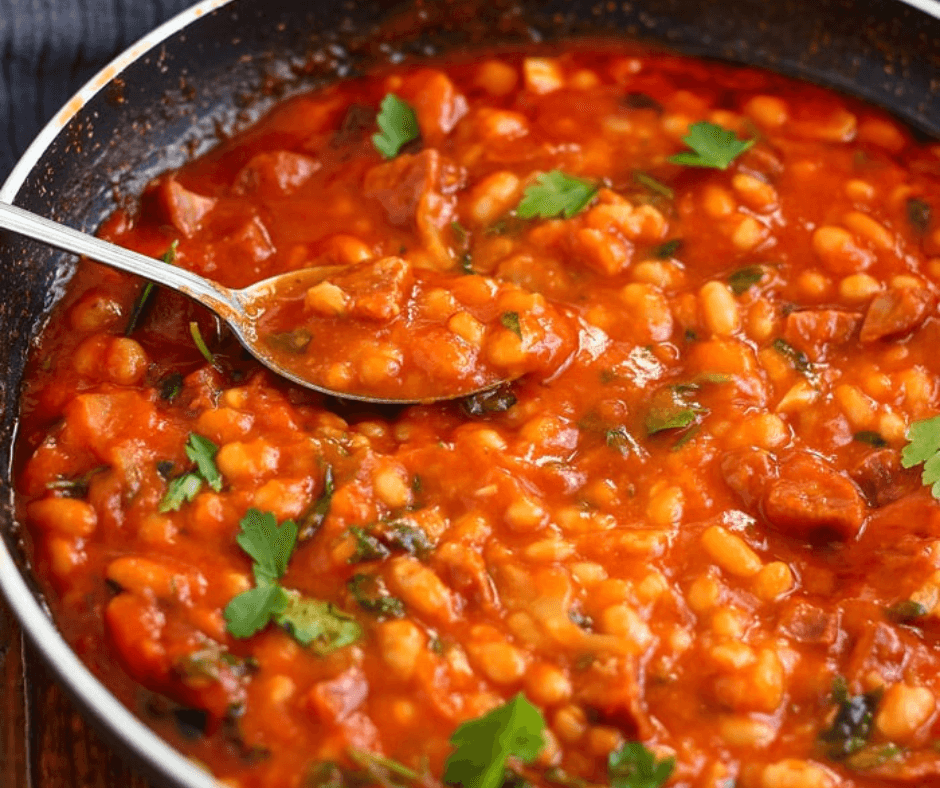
555 194
398 125
711 146
184 488
312 622
923 448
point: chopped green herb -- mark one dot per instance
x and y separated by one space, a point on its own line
372 597
906 612
496 400
744 279
711 146
200 343
76 487
670 409
852 724
294 342
653 185
312 622
379 768
328 774
180 490
466 263
872 757
202 451
170 386
918 214
251 610
796 357
923 447
633 766
555 194
558 776
410 538
621 441
398 125
461 235
368 547
169 257
485 744
668 249
269 545
580 620
685 437
317 624
313 518
510 320
871 438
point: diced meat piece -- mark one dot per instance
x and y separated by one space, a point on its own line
184 209
810 497
251 241
376 290
880 476
877 649
896 311
335 700
748 471
806 623
402 183
412 188
812 330
436 102
275 174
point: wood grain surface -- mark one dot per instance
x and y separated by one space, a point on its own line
44 742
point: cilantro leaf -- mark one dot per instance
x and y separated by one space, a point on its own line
483 745
670 409
251 610
368 547
510 320
202 451
923 447
712 146
744 279
633 766
370 593
180 490
555 194
269 545
398 125
318 624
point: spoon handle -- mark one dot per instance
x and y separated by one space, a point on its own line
47 231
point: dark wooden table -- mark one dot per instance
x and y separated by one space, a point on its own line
44 742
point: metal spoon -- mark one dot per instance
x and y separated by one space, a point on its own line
239 308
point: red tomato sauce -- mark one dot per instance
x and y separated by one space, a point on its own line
693 527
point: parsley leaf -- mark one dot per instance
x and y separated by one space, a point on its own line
670 409
369 592
180 490
633 766
269 546
368 547
483 745
924 448
555 194
202 451
744 279
797 358
251 610
712 146
510 320
853 722
398 125
184 488
318 624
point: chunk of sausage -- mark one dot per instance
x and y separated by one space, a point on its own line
748 471
880 477
184 209
275 174
811 497
404 182
377 290
812 330
806 623
896 311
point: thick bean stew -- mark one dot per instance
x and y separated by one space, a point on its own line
695 541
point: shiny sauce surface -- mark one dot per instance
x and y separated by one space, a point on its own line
685 526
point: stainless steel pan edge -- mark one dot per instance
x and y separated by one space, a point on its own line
164 99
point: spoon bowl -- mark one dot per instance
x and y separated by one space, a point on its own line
241 309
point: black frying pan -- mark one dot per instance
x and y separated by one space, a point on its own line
223 63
